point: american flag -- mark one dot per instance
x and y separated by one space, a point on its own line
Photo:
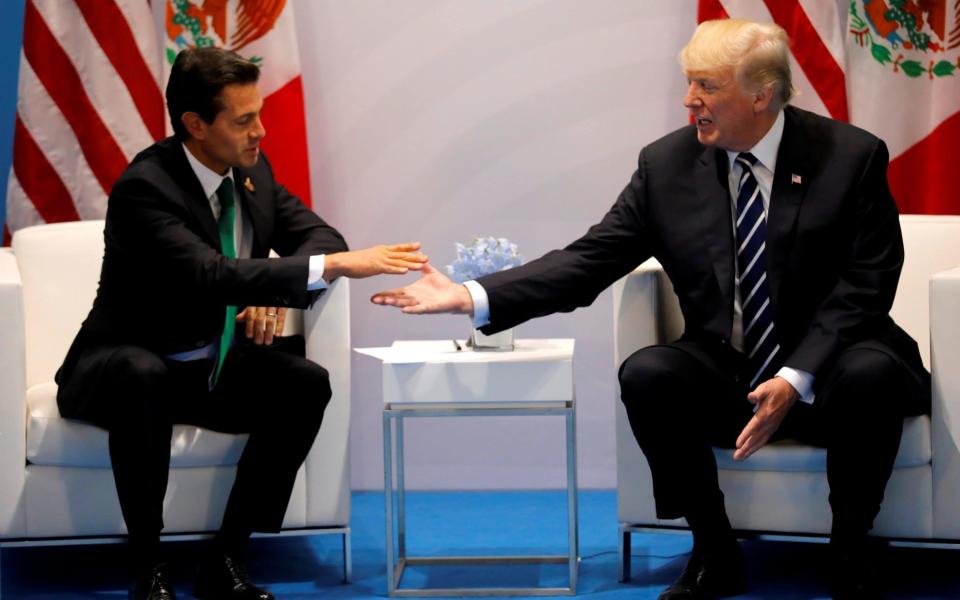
89 99
90 94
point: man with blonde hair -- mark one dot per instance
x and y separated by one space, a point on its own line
778 231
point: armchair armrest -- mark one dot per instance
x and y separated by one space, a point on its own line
645 310
13 412
945 368
326 329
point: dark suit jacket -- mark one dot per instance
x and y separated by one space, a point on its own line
164 283
834 245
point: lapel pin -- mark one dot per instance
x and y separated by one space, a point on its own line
249 184
793 179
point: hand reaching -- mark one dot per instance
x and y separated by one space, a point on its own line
432 293
393 260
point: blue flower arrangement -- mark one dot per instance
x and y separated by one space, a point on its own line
486 255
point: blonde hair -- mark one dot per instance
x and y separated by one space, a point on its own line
758 52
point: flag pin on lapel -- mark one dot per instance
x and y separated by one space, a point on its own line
249 184
793 179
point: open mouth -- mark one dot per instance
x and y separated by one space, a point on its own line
703 122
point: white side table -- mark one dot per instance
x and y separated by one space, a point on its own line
434 379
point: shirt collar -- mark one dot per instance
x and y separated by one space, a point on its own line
210 180
766 149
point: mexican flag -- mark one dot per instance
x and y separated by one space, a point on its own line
903 84
891 67
264 32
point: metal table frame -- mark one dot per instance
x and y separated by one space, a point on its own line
393 415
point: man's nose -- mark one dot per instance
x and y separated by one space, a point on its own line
691 99
259 131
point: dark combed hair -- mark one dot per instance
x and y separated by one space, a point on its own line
196 80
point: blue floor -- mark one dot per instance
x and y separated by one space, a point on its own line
470 523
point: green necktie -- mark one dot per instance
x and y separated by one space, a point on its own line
225 228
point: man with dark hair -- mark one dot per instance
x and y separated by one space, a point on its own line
778 231
189 225
195 83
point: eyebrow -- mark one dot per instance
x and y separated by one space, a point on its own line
246 115
709 80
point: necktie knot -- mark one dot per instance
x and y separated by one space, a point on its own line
746 159
225 193
226 218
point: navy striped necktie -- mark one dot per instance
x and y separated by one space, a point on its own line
760 342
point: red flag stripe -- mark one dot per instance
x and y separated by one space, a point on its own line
62 82
709 10
39 180
286 141
821 68
113 33
922 179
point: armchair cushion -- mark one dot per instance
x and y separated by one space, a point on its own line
787 455
57 442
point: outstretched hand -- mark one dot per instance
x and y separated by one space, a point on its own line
392 260
433 293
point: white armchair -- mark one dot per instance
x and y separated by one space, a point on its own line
783 487
55 473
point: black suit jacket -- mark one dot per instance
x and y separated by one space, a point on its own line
164 283
834 245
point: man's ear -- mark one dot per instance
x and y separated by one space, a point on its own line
194 124
762 98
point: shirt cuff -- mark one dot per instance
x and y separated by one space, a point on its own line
481 304
315 279
801 381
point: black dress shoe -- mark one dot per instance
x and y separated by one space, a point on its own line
152 586
710 575
854 577
225 578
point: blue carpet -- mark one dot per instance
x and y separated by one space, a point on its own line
463 523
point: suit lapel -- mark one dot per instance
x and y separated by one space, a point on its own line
195 199
253 209
790 182
715 216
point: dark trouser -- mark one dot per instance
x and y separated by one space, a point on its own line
685 397
273 393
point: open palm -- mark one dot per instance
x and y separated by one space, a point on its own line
433 293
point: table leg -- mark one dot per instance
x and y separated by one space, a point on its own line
572 527
388 499
401 495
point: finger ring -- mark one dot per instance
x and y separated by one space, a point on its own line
274 315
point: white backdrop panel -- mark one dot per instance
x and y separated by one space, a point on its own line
439 121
